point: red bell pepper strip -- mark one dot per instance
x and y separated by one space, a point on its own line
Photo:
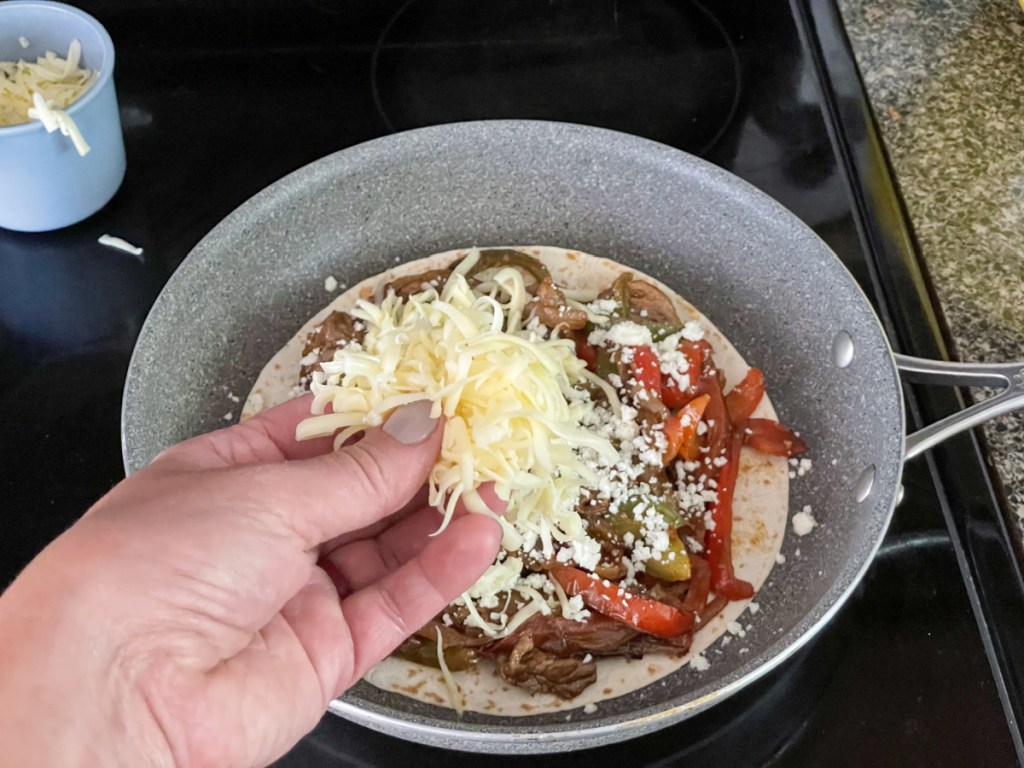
716 417
585 352
745 396
697 353
700 585
650 616
718 539
646 369
681 431
770 437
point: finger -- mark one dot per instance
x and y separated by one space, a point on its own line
357 564
315 616
360 563
384 614
416 503
343 491
266 438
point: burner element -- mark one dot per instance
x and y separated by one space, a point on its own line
666 71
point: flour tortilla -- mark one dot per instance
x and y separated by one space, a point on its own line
760 507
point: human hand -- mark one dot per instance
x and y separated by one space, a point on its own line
209 607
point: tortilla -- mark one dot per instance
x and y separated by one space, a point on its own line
760 506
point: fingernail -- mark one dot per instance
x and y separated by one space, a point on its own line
411 424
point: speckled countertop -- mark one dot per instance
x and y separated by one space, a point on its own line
946 78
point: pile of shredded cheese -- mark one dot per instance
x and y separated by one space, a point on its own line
515 403
519 414
43 90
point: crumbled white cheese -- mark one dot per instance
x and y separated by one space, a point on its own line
23 42
699 663
311 358
227 416
675 366
735 628
330 283
692 331
804 522
605 307
625 334
590 708
800 467
585 552
780 559
754 608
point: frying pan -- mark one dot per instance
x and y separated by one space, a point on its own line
764 278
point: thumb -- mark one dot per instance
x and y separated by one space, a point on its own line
329 495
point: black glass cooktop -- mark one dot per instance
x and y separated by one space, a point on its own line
924 664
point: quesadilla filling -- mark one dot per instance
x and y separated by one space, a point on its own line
603 421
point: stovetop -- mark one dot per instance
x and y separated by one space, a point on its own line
921 667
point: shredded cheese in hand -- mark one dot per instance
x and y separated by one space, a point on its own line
515 404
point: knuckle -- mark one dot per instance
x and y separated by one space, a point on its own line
391 613
364 467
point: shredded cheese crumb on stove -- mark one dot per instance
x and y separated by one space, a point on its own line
699 663
330 283
110 241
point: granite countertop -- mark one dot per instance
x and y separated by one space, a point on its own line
946 79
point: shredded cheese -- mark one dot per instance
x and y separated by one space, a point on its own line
120 244
454 693
43 90
517 414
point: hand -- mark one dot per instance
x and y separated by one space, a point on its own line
189 617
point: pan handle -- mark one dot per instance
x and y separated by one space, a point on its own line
1006 376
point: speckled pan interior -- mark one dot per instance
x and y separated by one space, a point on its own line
754 269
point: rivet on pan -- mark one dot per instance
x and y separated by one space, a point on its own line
842 349
862 488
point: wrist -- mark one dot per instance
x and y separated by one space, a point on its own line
66 696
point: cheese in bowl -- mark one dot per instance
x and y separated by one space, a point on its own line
42 90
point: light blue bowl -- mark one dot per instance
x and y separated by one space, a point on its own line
44 183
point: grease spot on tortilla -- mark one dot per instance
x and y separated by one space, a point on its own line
411 690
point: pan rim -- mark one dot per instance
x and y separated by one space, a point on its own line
574 735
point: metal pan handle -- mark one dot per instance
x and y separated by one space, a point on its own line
1008 377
